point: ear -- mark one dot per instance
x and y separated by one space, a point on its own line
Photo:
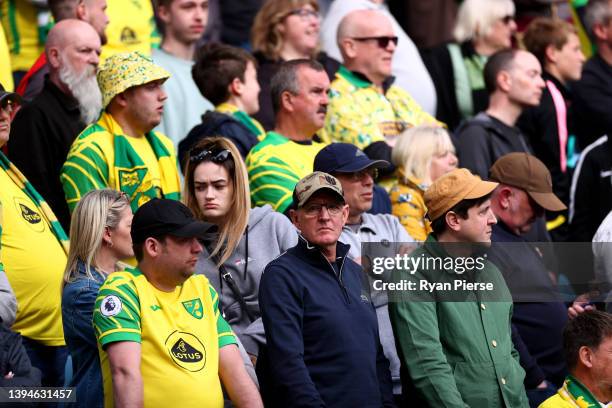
293 216
585 355
599 30
504 197
152 247
348 46
551 53
236 87
164 14
286 101
453 221
504 81
81 11
345 213
121 99
107 236
53 57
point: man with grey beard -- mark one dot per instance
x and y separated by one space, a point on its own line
44 129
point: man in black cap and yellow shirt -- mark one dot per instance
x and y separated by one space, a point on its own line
161 335
525 190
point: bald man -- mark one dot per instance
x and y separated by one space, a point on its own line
44 129
92 12
365 107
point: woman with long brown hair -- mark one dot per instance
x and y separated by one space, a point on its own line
217 191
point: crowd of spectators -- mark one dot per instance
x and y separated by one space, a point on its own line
191 191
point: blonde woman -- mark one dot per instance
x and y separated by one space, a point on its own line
217 191
285 30
421 155
99 239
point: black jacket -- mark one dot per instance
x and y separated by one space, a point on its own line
539 125
323 346
592 101
217 124
14 358
482 140
266 68
591 190
538 316
439 64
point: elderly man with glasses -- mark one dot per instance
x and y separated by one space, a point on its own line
365 107
323 347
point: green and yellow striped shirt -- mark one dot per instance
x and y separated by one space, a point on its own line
275 165
102 156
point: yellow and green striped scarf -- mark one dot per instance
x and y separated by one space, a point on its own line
43 208
574 392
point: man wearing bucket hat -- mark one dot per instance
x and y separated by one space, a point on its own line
525 190
323 347
120 150
457 351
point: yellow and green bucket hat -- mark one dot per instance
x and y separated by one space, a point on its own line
125 70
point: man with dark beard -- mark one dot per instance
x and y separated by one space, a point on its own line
43 130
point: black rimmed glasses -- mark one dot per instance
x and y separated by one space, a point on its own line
382 41
215 156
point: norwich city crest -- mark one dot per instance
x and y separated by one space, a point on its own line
194 308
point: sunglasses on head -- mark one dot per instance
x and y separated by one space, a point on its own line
383 40
215 156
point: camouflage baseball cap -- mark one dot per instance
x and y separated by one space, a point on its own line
125 70
312 183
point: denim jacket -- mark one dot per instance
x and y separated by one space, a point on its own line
78 299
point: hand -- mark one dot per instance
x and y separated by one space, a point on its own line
580 305
542 385
9 375
253 359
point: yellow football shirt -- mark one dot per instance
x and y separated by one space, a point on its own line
131 27
6 73
20 22
34 263
180 335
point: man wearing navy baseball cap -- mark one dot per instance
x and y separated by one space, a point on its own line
160 317
356 173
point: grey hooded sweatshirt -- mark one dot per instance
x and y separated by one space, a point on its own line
268 235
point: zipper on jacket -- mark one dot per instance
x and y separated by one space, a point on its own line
339 278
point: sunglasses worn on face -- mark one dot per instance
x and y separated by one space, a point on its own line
218 156
8 106
383 41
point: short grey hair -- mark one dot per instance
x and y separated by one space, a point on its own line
285 79
475 17
597 12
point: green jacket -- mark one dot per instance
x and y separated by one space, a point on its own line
457 354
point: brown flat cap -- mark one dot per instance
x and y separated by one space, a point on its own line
524 171
452 188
